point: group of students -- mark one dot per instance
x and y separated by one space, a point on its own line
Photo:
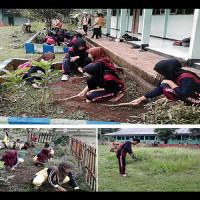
54 175
104 82
97 25
61 37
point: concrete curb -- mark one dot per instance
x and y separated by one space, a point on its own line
32 120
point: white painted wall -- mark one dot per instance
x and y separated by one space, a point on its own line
179 26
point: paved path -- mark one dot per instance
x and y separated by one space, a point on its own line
139 62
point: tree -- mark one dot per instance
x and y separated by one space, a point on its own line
102 131
195 133
43 15
165 134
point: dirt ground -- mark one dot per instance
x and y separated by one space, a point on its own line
98 111
21 182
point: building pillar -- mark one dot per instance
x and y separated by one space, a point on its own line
167 11
1 16
108 22
99 11
146 27
194 48
92 18
122 22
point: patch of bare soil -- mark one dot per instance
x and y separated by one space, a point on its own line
21 180
96 111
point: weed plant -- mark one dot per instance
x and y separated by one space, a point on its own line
158 169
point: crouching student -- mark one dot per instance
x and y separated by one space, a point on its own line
11 160
111 87
25 147
125 148
42 157
33 69
77 58
56 176
175 83
16 144
51 39
50 148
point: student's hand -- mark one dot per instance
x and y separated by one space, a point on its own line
4 166
80 69
74 58
138 101
135 102
81 94
12 169
61 189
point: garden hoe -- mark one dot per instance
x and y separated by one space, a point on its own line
72 97
122 104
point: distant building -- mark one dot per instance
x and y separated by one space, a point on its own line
148 135
157 23
9 19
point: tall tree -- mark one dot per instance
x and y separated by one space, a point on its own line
43 15
195 133
164 134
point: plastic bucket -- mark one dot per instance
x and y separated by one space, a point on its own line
1 164
37 152
21 154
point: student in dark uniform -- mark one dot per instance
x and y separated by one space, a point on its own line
56 176
111 87
125 148
175 83
42 157
77 57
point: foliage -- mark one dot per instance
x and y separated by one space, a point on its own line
165 134
45 15
170 113
63 140
195 132
6 181
158 169
102 131
18 85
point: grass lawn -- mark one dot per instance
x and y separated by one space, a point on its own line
12 42
158 169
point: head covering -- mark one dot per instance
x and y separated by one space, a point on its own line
60 170
46 56
79 42
98 54
171 69
97 72
10 158
43 155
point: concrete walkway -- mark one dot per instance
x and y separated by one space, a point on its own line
139 63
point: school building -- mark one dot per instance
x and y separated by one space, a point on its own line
148 135
157 29
8 18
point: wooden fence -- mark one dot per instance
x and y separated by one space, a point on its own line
42 137
83 153
86 157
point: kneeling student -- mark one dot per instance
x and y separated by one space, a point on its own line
56 176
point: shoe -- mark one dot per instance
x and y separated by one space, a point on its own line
64 77
125 175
